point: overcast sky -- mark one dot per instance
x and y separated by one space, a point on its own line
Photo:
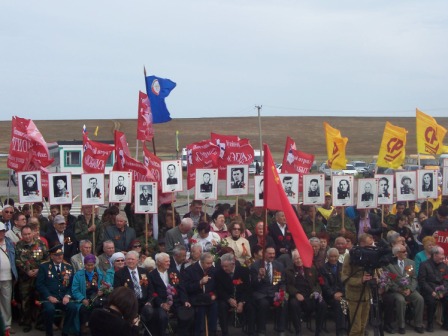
84 59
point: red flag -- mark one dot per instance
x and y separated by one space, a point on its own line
154 164
95 155
202 154
27 146
145 130
276 199
295 161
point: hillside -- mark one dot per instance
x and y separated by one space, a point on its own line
364 134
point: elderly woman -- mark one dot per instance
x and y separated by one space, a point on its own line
428 243
218 224
259 238
86 289
205 237
117 262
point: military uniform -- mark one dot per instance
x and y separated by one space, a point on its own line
28 258
334 225
81 228
51 283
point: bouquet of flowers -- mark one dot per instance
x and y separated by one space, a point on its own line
280 297
106 289
317 296
171 292
404 283
440 290
236 282
386 278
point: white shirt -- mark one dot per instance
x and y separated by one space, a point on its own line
282 228
164 277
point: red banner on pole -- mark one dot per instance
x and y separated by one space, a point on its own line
202 154
145 130
95 155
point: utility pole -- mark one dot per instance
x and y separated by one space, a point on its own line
258 107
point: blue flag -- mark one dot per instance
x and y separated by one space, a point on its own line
157 90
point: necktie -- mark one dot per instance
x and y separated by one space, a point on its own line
401 263
137 289
58 269
7 226
268 271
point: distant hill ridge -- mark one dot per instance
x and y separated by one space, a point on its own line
364 134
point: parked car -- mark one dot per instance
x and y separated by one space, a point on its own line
370 171
411 167
360 166
324 169
349 170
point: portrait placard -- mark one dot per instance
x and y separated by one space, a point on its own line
313 189
406 186
385 189
290 184
206 184
237 180
147 197
427 183
92 189
445 181
171 176
60 188
120 187
258 190
30 186
342 187
367 193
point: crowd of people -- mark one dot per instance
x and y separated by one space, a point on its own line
110 276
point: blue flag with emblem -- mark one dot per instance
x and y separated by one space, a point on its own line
157 90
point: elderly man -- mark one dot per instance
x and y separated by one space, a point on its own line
170 295
240 245
179 235
62 236
319 254
137 279
30 253
104 258
233 290
196 213
15 234
121 234
8 275
195 254
179 258
53 283
403 289
7 213
433 284
267 279
200 280
279 232
77 260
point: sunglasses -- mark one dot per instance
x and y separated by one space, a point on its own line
119 260
236 229
9 212
135 246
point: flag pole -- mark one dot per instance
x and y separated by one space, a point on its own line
259 107
93 224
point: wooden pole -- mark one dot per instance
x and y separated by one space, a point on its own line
93 224
236 206
427 208
205 211
343 217
314 220
146 230
172 209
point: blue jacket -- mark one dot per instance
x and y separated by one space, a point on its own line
11 253
79 284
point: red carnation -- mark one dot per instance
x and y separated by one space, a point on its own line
393 276
288 237
321 280
155 294
280 238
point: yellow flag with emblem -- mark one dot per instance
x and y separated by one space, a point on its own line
335 147
392 150
429 134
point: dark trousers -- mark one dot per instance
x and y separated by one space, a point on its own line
431 304
27 290
307 306
209 311
339 315
70 310
262 313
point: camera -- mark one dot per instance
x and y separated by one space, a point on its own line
370 257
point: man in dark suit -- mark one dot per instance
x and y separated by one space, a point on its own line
178 258
200 280
233 291
171 295
281 235
332 287
179 235
206 187
53 283
93 191
267 279
432 274
237 178
137 279
62 236
145 198
172 179
120 189
383 189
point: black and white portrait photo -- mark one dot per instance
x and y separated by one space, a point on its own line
259 190
146 192
367 193
313 189
342 190
406 186
290 184
385 189
206 184
171 176
92 189
60 188
120 184
30 186
427 183
237 180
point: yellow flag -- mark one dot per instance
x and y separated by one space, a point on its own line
429 134
392 150
335 147
96 131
